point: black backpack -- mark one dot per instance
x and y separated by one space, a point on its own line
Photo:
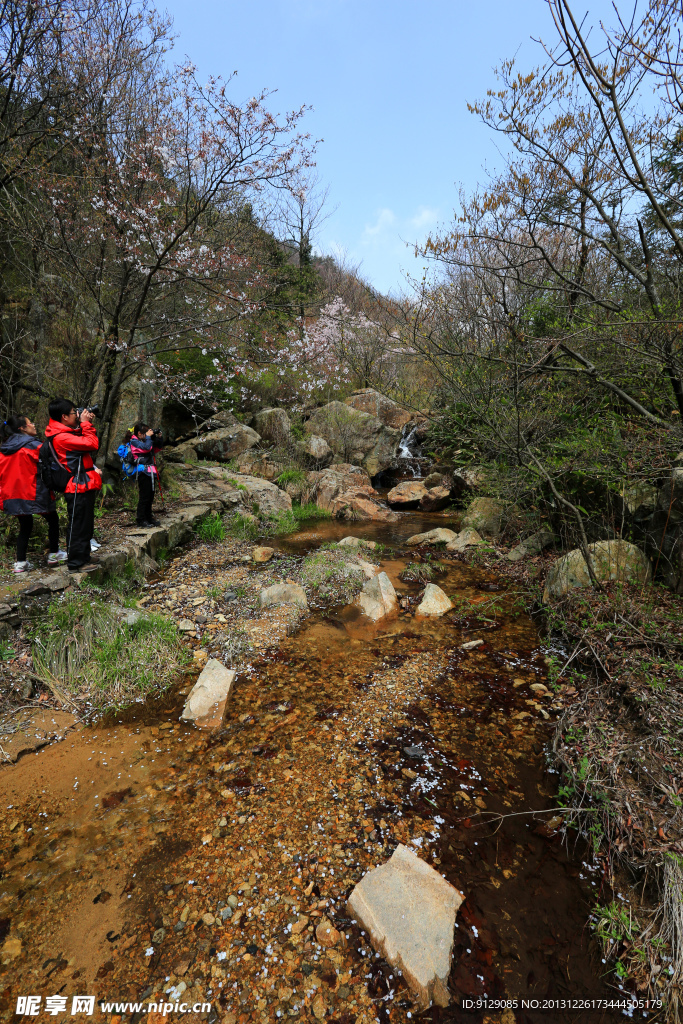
50 470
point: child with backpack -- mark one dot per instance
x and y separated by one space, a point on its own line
137 461
22 492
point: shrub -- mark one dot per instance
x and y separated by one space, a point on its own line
211 529
290 476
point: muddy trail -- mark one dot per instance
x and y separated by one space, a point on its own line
145 861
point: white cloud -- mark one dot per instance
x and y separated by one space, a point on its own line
385 220
425 217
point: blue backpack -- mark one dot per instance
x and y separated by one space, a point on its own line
128 463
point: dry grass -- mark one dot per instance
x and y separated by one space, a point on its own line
84 650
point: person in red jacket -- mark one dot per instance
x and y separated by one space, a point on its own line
22 493
74 442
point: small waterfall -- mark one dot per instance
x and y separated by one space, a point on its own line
408 456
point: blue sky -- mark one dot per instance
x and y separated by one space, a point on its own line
389 83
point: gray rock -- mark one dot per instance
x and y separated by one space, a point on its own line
257 463
640 498
205 705
382 408
357 542
612 560
532 545
434 602
438 536
283 593
433 480
355 436
378 598
328 484
315 451
269 498
218 445
435 499
186 626
273 425
408 911
159 935
465 539
483 515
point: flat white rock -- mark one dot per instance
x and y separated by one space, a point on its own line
378 598
434 602
409 910
205 705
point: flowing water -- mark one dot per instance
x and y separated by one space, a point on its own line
141 857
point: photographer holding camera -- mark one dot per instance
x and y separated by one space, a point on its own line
22 492
137 453
73 439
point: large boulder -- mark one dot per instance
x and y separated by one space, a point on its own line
435 499
434 602
358 503
382 408
269 498
408 910
315 451
328 483
378 598
218 445
483 515
272 424
217 421
612 560
224 489
257 463
407 494
205 705
355 436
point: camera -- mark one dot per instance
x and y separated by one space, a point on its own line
94 409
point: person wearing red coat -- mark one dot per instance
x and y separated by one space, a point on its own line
22 492
74 442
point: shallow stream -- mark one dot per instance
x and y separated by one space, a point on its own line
346 740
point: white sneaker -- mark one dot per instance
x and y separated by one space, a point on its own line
94 544
22 567
57 557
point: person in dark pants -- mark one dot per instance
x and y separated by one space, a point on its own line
22 492
74 441
137 451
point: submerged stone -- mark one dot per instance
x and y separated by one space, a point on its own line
409 911
378 598
205 705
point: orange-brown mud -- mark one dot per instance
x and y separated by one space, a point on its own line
149 862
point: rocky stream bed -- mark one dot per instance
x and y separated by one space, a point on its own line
143 860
